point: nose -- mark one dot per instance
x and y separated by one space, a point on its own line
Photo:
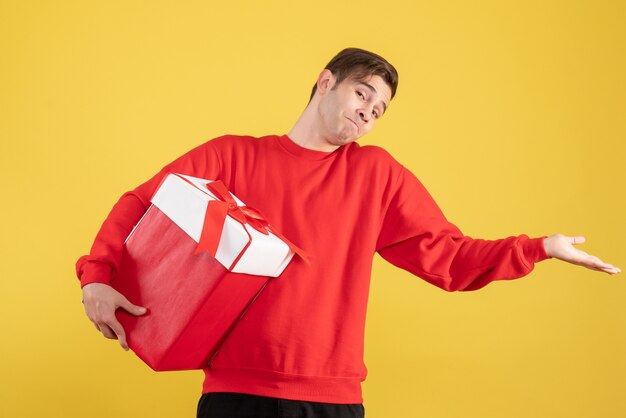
364 115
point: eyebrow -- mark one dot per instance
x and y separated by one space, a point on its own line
374 90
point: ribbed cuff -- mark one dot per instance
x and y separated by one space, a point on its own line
534 250
93 272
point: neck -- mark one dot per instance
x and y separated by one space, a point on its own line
307 133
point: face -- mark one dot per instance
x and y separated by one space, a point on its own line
348 111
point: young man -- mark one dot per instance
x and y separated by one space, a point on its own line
299 349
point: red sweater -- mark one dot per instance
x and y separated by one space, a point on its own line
303 336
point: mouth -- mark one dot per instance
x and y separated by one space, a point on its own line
357 126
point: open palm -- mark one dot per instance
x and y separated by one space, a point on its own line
562 247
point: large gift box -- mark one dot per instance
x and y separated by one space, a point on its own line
196 260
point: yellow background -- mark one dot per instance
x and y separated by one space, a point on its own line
511 113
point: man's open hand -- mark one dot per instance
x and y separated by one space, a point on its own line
100 302
562 247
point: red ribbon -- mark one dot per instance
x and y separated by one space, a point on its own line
215 218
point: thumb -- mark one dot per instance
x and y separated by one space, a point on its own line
133 309
577 240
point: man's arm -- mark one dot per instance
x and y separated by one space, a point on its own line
416 237
100 266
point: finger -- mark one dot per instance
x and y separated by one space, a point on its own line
107 332
612 270
133 309
595 262
119 331
589 261
577 240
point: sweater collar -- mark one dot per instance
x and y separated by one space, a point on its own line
298 151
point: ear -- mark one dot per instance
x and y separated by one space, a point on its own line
325 81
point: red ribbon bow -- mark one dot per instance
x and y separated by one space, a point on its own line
215 218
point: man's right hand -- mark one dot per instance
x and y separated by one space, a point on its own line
101 301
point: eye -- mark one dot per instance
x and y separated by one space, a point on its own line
360 94
375 114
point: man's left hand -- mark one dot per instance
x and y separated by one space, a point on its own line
562 247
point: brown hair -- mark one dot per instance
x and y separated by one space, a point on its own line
360 65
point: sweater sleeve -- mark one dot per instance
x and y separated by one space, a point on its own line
101 264
416 237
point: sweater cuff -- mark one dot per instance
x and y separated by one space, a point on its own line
534 250
94 272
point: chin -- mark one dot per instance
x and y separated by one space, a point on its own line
344 138
343 141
